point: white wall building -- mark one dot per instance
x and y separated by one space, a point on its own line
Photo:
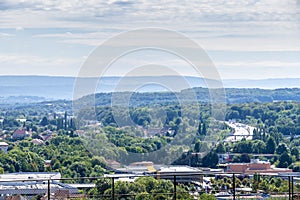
4 146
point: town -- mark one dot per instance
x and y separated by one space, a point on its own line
44 155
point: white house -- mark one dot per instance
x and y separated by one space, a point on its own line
4 146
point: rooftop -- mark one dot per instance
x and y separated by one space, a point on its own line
20 131
23 176
3 144
184 169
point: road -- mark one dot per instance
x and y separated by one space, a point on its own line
240 131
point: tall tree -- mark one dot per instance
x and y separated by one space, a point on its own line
271 145
210 160
295 152
199 128
197 146
204 131
282 148
44 121
66 120
220 148
285 160
256 134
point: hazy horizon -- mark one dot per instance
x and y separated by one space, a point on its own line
47 86
116 76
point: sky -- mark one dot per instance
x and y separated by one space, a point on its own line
245 39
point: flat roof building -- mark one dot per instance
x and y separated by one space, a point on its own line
32 183
184 174
255 166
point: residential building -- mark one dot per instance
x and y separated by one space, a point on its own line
4 146
47 163
37 141
19 134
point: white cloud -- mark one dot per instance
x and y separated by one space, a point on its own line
4 35
28 65
214 38
258 70
260 64
227 25
149 12
19 28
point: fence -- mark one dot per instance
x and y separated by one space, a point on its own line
79 188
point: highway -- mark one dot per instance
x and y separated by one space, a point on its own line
240 131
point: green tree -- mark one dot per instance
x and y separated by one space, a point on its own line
284 160
199 130
244 146
282 148
271 145
245 158
204 129
220 148
102 185
256 181
295 152
207 197
1 170
66 120
256 134
197 147
210 160
44 121
258 146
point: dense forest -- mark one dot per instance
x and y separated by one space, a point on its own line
174 131
178 135
232 95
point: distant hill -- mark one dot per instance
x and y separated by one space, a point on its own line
40 88
263 83
233 95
